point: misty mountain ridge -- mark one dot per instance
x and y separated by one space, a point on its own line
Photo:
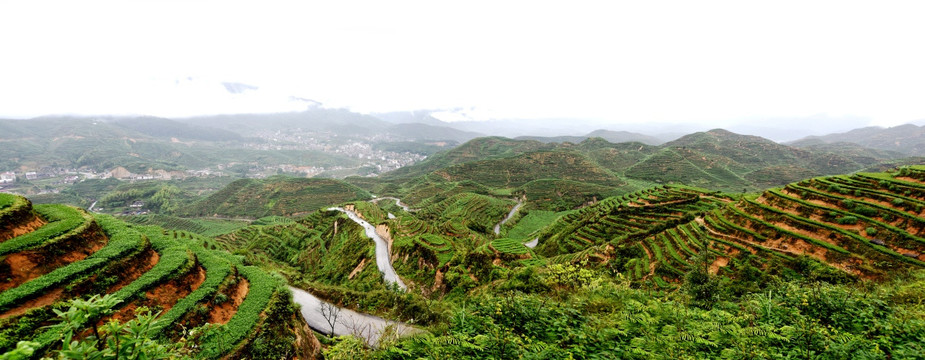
908 139
609 135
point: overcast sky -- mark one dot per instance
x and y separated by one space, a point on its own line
633 61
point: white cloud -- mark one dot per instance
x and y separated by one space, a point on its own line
705 61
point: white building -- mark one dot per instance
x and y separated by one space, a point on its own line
7 177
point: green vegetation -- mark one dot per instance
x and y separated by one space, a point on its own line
275 196
242 325
630 263
206 226
122 242
530 224
126 249
603 320
509 246
64 222
8 200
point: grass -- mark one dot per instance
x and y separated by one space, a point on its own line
528 226
63 222
7 200
509 246
205 226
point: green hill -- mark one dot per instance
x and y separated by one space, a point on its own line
278 195
518 170
473 150
719 159
608 135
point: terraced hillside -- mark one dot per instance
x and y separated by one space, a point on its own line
565 176
59 253
618 219
692 247
867 225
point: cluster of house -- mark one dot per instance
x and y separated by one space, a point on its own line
68 176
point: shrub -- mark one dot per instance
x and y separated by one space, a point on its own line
847 220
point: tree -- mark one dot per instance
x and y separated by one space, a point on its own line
330 314
702 286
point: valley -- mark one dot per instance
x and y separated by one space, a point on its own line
712 245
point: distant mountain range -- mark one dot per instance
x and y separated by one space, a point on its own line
715 159
610 136
907 139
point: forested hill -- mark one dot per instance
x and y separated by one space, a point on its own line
716 159
277 195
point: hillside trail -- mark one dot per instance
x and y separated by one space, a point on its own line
383 259
508 217
347 322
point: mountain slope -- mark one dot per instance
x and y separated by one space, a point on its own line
724 160
907 139
278 195
75 255
609 135
473 150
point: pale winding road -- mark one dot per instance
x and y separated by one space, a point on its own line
382 249
397 202
348 322
508 217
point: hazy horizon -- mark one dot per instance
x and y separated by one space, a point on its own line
820 65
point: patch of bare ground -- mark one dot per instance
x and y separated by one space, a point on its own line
793 246
358 269
46 299
652 262
815 217
886 204
721 261
438 281
20 267
909 179
132 269
165 295
23 228
723 200
736 239
821 234
222 313
897 221
137 267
